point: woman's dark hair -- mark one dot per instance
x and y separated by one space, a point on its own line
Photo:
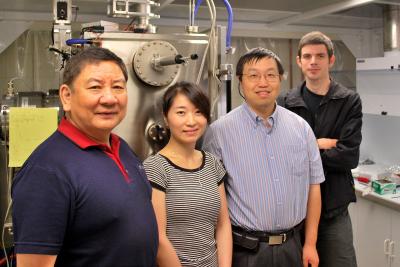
193 92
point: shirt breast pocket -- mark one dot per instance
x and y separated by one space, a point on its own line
298 159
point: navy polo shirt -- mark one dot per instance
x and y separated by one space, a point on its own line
88 203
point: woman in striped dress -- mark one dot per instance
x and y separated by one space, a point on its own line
188 190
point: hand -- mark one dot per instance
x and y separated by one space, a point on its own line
326 143
310 256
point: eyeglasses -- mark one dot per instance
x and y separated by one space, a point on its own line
256 77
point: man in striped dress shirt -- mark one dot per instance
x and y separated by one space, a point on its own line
275 171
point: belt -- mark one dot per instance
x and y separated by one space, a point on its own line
275 238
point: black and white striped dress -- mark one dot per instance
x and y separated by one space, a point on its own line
192 204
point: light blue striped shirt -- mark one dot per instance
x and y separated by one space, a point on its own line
270 167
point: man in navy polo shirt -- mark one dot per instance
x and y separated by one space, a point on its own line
82 198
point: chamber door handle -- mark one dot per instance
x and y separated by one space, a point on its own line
391 249
386 247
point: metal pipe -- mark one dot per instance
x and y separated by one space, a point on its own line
191 12
172 60
391 28
143 20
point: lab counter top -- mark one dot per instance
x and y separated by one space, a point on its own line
365 191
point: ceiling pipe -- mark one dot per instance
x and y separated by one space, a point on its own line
391 28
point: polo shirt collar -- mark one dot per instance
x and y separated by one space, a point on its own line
82 140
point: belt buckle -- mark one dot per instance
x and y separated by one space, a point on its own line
276 239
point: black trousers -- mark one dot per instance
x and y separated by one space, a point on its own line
335 242
288 254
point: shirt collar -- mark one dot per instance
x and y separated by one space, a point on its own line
82 140
257 120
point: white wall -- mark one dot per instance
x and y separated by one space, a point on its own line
381 139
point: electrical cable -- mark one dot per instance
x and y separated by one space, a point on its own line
94 29
8 179
228 88
196 9
130 24
18 78
230 19
230 22
214 42
78 41
240 92
3 233
211 40
52 34
207 47
213 55
65 56
212 49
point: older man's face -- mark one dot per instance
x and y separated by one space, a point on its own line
97 100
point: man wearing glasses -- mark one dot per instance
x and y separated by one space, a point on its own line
274 168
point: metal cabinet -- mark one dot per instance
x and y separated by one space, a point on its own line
376 230
395 253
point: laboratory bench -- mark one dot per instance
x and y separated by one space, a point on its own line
376 223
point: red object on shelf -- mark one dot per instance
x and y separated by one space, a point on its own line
362 179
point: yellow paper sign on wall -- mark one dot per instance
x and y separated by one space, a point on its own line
28 127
